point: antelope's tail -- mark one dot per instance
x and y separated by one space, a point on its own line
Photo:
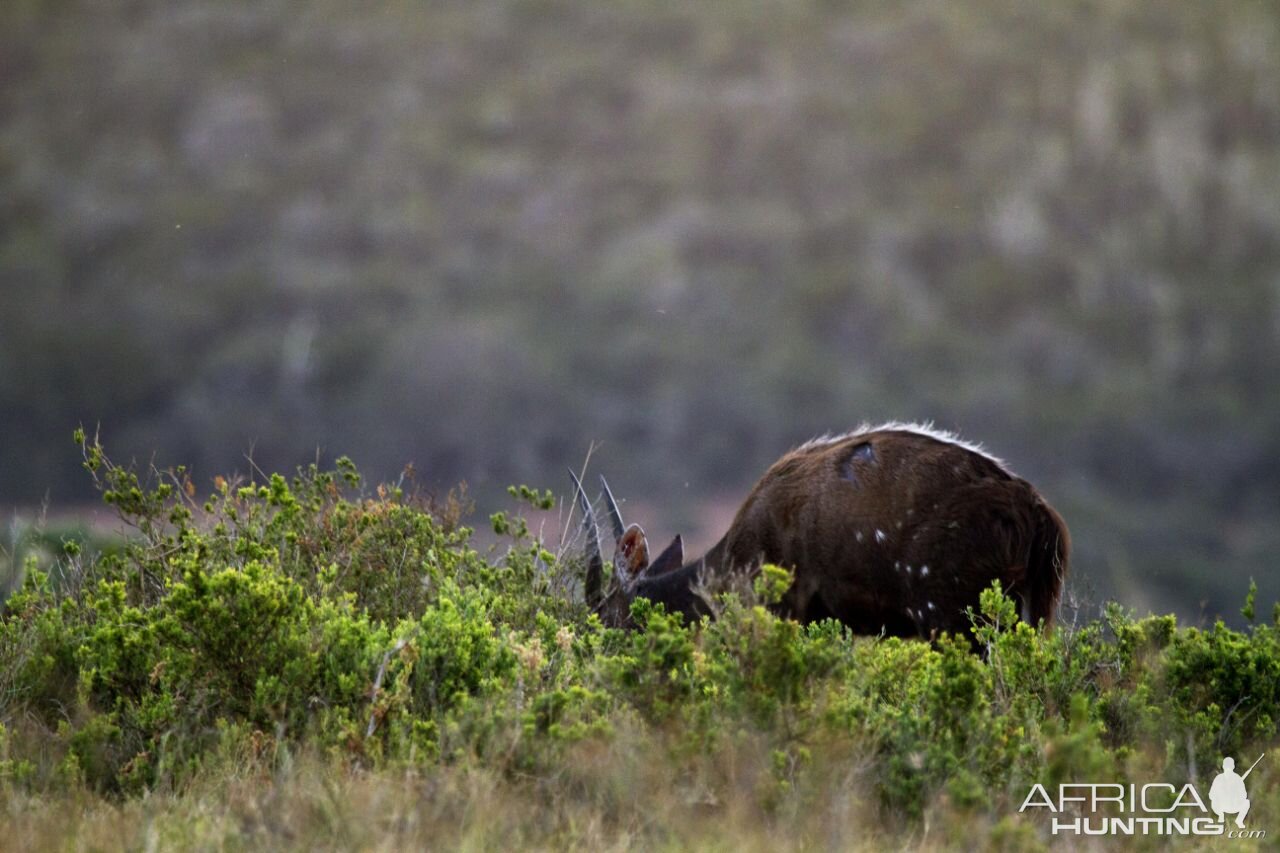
1047 566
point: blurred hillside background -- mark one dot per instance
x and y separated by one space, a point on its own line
481 236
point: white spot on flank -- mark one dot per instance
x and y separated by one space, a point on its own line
931 607
924 571
880 537
859 535
897 565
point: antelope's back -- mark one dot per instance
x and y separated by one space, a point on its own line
899 529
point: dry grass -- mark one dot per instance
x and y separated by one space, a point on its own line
607 796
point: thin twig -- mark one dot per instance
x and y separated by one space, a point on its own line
377 681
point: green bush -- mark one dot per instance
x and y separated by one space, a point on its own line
310 617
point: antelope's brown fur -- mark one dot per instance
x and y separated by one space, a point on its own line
894 530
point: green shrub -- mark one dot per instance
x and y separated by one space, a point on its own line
310 617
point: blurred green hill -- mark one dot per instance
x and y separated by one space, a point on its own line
480 236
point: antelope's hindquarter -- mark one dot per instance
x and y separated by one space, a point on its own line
892 531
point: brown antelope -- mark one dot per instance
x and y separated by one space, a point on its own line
891 530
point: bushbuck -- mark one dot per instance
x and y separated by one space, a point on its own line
894 530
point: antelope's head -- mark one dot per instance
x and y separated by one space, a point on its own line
631 564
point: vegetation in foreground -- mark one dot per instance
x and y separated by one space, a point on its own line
300 663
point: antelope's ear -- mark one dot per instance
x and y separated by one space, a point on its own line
632 554
671 558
